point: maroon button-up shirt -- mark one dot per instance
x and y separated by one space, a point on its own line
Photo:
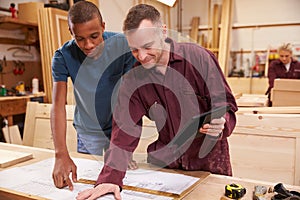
192 84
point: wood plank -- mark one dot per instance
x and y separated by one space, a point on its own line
28 134
14 195
215 27
270 145
270 110
9 158
5 40
297 162
208 44
262 157
252 100
194 29
9 23
278 125
242 85
225 34
12 135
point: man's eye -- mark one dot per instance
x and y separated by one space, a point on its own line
79 38
95 36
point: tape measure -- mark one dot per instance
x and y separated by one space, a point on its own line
234 191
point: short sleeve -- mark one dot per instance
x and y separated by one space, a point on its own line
59 68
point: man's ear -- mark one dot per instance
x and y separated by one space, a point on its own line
70 31
103 26
164 30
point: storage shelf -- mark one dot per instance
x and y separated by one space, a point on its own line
9 23
241 26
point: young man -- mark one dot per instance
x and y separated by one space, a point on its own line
171 83
95 60
284 67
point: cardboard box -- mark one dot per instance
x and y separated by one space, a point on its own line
29 11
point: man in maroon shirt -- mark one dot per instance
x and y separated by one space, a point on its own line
284 67
170 83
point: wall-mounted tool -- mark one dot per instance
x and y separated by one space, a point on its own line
21 52
19 67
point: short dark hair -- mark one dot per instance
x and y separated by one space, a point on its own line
83 11
138 13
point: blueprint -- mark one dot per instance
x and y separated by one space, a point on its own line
36 179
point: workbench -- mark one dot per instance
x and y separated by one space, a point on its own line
211 187
15 105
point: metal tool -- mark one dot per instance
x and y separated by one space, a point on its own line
259 192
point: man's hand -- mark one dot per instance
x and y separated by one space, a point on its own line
132 164
62 168
100 190
214 128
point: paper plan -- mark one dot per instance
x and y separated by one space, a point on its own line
36 179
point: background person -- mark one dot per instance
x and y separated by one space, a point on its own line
95 60
170 83
283 67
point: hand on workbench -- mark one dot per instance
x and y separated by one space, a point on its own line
132 164
100 190
62 168
214 128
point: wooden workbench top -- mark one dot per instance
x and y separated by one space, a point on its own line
211 188
6 98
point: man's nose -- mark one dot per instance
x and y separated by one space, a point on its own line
141 54
88 44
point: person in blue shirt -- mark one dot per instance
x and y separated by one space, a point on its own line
95 60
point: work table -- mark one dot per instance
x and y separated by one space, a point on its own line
211 187
15 105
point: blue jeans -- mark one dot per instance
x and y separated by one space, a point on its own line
92 144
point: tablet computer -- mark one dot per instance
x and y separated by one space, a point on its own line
190 130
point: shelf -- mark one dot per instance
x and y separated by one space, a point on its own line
12 41
243 26
9 23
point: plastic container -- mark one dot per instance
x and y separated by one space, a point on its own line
35 85
3 91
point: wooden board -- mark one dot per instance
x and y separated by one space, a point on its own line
8 158
12 134
225 33
11 194
37 130
194 30
252 100
266 147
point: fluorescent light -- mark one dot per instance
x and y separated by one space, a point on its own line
168 2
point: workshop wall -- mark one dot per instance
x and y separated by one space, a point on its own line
254 12
22 62
16 71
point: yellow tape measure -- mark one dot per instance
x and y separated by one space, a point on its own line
234 191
